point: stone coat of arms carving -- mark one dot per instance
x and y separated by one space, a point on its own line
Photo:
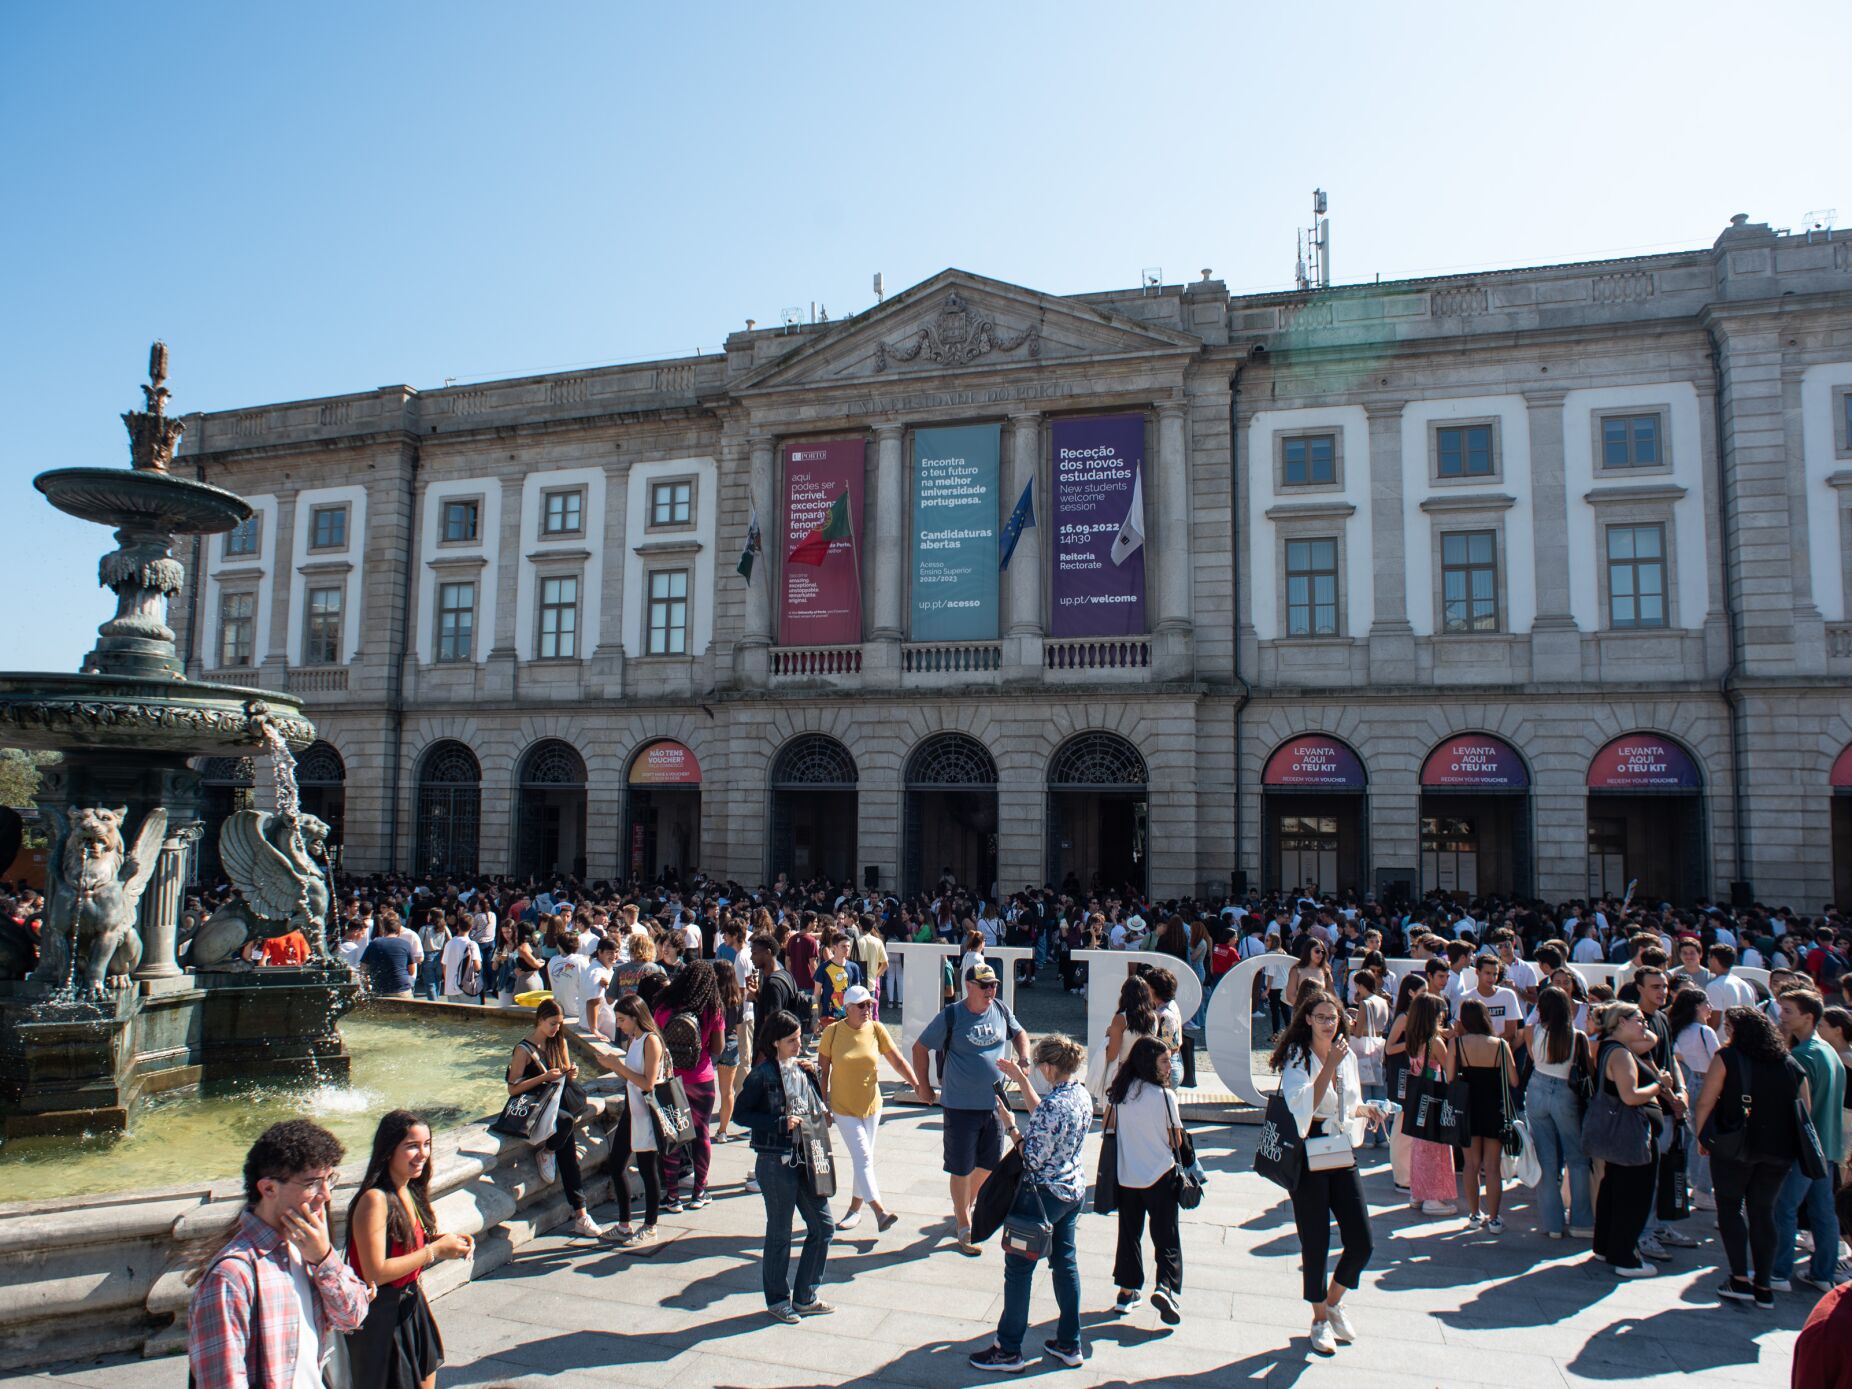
957 336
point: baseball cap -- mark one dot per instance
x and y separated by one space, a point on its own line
980 974
856 994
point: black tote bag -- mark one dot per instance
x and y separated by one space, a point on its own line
1279 1156
996 1197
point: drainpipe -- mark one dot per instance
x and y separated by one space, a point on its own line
1236 553
396 690
1727 688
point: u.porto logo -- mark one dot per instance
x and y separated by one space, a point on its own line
1270 1147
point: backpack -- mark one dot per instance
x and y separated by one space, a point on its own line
1832 966
682 1040
469 978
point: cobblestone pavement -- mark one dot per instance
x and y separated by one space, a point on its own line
1438 1306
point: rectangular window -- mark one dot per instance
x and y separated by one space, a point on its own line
1309 460
671 503
321 644
1311 588
462 520
1636 576
668 612
327 527
559 618
241 539
456 620
237 624
1630 441
1464 451
564 513
1469 582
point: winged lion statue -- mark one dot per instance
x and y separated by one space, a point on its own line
276 863
97 885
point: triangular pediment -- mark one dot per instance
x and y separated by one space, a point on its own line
960 322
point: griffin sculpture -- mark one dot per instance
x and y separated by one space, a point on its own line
90 938
275 862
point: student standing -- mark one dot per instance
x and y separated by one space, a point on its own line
848 1058
1143 1113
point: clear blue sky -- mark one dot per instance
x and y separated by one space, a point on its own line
325 198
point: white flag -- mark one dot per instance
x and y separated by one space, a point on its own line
1132 531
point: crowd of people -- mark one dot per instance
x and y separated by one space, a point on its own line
1677 1087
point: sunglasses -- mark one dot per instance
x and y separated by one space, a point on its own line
991 987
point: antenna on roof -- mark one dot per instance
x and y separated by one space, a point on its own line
880 287
1312 270
1821 220
1151 279
790 318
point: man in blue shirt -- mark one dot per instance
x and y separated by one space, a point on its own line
972 1035
391 959
1801 1010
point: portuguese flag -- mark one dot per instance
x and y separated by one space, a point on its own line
814 548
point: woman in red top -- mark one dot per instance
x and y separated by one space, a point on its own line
392 1238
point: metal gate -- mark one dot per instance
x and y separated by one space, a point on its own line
449 814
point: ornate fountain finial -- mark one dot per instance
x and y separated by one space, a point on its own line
152 436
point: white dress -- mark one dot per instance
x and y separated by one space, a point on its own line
642 1130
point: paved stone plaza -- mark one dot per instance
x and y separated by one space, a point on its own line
1438 1306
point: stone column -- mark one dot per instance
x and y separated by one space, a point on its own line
1172 654
1022 642
273 662
496 677
161 906
881 653
753 657
1391 638
1555 644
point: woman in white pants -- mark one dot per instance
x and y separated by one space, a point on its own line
849 1055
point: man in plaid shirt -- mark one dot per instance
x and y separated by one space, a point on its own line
269 1299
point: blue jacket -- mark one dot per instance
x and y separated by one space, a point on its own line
761 1107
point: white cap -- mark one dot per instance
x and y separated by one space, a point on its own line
855 994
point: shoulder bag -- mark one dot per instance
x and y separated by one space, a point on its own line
1613 1130
1185 1169
1520 1154
997 1196
1279 1156
533 1113
1027 1231
1809 1152
1368 1048
1106 1179
668 1108
1730 1142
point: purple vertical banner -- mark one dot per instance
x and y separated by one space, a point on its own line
1098 461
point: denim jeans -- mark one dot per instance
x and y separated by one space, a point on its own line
1555 1117
430 977
786 1194
1815 1195
1019 1274
1697 1165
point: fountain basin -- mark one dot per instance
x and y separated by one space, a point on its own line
54 712
143 500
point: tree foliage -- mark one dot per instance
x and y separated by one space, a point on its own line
19 775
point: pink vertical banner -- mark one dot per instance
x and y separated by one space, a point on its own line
821 602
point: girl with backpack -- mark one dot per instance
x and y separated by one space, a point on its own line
693 1025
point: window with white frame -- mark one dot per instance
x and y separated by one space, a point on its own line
1636 558
462 520
671 503
668 612
321 637
1469 581
241 539
237 628
559 618
1312 588
456 620
328 527
563 512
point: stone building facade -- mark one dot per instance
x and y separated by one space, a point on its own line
1537 580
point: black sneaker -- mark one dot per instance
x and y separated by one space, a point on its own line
1070 1358
998 1362
1736 1290
1167 1304
1765 1299
1125 1302
671 1205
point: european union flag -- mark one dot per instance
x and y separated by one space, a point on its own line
1023 515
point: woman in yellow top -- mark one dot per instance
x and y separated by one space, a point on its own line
849 1054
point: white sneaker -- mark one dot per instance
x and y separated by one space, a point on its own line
1642 1271
549 1166
1341 1327
1780 1285
1804 1241
1493 1226
1674 1239
1323 1340
585 1225
1703 1201
1652 1248
1439 1208
752 1183
851 1220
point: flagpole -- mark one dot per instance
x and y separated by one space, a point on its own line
855 559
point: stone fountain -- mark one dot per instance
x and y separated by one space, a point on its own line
107 1014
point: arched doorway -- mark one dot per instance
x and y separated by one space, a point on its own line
951 784
813 810
1096 814
1475 819
663 811
1314 809
225 784
1646 820
1841 783
550 812
449 814
321 780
